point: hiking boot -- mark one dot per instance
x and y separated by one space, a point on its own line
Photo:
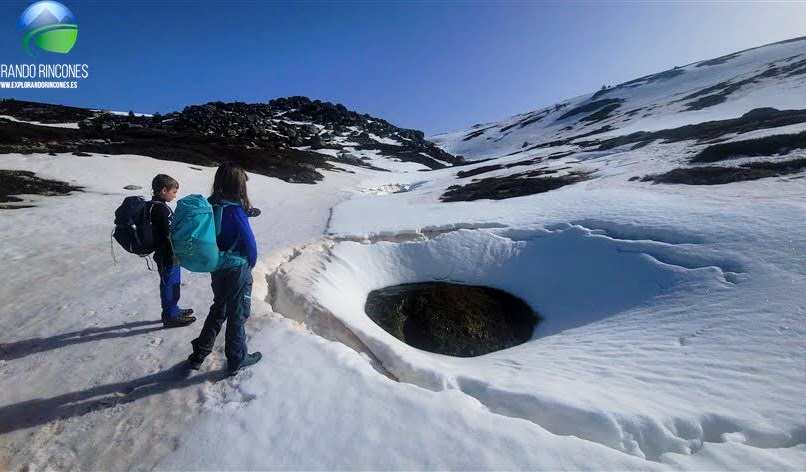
195 361
179 321
185 311
250 359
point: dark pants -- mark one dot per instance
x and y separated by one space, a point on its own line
170 280
232 301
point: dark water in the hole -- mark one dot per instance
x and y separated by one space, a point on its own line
451 319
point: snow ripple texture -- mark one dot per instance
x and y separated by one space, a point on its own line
603 289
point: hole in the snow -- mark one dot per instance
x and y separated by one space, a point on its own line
451 319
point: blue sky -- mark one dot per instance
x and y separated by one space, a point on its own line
434 66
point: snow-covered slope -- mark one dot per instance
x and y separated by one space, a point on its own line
675 320
717 89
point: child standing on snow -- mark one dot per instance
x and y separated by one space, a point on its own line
232 281
165 189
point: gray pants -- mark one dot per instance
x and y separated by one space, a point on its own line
232 301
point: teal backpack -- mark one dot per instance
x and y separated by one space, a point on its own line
195 226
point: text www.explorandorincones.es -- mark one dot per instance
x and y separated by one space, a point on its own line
38 85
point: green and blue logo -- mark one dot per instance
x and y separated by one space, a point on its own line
48 26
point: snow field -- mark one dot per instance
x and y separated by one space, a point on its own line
674 333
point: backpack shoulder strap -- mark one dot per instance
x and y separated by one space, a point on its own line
218 215
151 207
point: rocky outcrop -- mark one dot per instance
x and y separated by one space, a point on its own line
279 138
289 122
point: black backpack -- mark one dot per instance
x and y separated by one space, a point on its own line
133 228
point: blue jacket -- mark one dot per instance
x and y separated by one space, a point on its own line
235 224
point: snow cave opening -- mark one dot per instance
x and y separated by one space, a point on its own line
571 276
452 319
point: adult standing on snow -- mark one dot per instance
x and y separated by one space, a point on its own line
232 281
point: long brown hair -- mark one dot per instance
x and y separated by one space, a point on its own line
230 184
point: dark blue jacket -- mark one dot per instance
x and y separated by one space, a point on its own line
234 225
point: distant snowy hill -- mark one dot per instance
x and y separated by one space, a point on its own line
717 89
688 125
